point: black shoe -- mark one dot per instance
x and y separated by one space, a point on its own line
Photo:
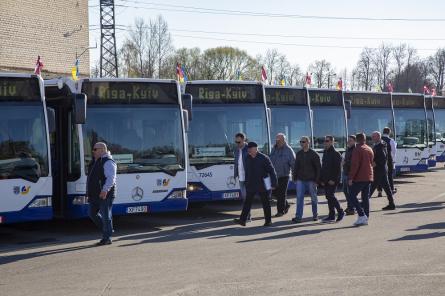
349 212
389 207
286 209
104 242
239 221
328 220
279 215
296 220
315 218
340 216
379 194
268 223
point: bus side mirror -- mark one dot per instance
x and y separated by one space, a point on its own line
187 104
80 108
185 118
348 107
51 115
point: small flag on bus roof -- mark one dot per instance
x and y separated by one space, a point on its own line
39 66
179 73
75 70
282 82
410 90
433 92
308 79
339 84
263 73
389 87
426 90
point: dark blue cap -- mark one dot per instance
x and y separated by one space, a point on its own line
252 144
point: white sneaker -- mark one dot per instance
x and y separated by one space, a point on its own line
361 220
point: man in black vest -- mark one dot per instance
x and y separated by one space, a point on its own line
258 168
101 191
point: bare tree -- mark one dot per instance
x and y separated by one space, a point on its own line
163 43
382 64
271 62
321 71
436 68
399 53
295 77
364 71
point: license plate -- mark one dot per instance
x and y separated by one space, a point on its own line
405 169
231 195
138 209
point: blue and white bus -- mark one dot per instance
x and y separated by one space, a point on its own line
290 113
143 124
439 120
370 111
329 118
432 143
220 110
25 168
411 132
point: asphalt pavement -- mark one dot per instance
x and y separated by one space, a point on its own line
201 252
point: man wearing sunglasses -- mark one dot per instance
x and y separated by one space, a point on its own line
306 173
239 170
101 183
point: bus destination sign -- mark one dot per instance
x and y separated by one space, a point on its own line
286 96
325 98
19 89
408 101
225 93
377 100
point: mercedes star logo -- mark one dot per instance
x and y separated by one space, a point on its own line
231 182
137 193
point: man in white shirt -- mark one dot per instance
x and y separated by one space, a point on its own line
240 163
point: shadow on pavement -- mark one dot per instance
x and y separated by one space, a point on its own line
432 226
418 207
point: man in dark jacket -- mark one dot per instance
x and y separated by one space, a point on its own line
330 177
391 147
283 159
346 168
306 173
239 168
101 186
381 170
259 172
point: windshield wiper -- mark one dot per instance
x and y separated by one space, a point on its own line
155 168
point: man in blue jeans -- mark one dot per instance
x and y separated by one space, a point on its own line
306 173
346 168
101 185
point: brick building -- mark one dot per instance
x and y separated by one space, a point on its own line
53 29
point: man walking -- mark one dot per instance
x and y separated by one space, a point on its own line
346 168
360 178
330 175
101 191
381 170
240 164
259 172
306 173
283 159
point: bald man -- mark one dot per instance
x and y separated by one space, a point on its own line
101 183
283 159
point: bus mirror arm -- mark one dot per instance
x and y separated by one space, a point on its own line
348 107
79 108
185 117
269 114
51 115
187 104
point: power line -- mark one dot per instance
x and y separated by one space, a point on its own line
204 10
293 36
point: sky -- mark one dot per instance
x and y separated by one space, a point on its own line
299 38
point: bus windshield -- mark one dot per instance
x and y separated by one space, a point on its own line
368 120
293 121
140 138
213 128
410 128
440 124
329 121
23 142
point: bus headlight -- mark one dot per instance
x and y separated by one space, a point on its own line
177 194
41 202
194 187
80 200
